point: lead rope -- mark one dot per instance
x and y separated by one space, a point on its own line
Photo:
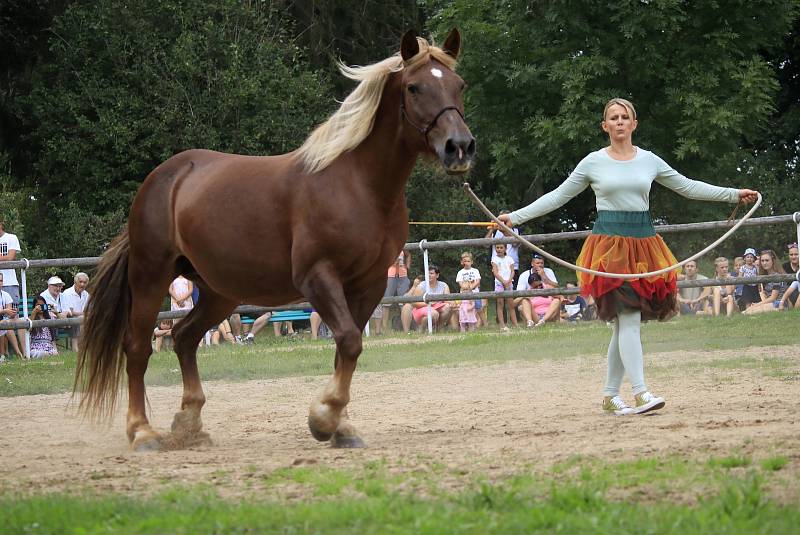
626 276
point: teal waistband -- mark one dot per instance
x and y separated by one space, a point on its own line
628 224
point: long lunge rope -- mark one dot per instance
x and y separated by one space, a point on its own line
627 276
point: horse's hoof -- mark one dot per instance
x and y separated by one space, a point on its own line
344 441
147 444
322 436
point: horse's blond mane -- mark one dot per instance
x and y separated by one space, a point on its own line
353 121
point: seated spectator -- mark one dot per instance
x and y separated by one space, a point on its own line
318 327
222 332
723 295
74 300
235 321
771 292
42 338
258 324
162 336
539 309
397 284
737 289
693 300
52 296
573 306
469 273
376 320
749 293
790 297
8 311
180 293
503 271
440 310
467 316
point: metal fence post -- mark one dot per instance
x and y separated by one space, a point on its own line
23 276
424 250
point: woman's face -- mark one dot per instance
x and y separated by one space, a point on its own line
793 256
618 123
766 262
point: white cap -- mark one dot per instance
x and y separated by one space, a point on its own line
751 251
55 280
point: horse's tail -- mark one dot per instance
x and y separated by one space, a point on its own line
101 358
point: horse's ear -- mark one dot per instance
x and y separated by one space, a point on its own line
409 47
452 45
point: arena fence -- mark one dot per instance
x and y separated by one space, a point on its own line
425 246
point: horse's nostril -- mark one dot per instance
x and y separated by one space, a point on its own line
471 148
449 147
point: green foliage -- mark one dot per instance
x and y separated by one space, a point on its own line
129 85
540 73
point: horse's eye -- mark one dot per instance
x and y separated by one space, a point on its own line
413 89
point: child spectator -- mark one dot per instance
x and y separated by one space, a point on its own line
749 292
162 335
771 292
180 292
503 271
467 318
512 249
574 306
42 340
737 290
471 275
722 295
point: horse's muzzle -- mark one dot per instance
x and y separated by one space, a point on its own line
458 154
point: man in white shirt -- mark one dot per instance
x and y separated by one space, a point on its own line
9 249
8 310
74 300
52 296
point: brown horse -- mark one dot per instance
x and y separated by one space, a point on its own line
321 223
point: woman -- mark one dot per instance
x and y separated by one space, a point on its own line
42 340
723 295
624 241
771 292
790 298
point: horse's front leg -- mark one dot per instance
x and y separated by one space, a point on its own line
327 417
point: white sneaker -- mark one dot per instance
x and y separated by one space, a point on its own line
646 402
531 324
616 406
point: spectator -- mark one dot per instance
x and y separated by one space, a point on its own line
222 332
9 249
469 273
397 283
750 293
180 293
235 321
440 310
573 306
162 336
771 292
318 327
467 317
503 271
737 290
74 299
259 324
376 320
512 249
8 310
528 305
42 338
723 294
539 309
52 296
693 300
790 297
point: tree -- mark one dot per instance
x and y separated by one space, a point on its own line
128 85
539 74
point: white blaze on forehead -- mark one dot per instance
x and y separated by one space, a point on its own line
436 72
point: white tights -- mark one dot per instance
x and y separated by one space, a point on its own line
625 354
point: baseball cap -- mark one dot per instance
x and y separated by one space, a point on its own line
748 251
537 256
55 280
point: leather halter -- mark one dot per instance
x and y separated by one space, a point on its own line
425 131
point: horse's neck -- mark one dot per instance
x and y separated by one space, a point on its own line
384 160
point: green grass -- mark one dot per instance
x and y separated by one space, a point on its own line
272 358
586 496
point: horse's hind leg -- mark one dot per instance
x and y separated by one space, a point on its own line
187 425
145 304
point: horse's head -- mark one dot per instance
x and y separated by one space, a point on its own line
432 106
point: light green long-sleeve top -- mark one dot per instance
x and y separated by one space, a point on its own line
622 185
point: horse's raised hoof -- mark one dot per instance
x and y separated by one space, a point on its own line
322 436
347 441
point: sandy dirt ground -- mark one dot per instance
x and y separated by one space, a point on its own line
490 419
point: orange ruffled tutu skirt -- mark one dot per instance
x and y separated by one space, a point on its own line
626 242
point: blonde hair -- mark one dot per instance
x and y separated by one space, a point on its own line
353 121
627 104
467 254
719 260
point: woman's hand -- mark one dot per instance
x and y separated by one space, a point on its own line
747 195
506 219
